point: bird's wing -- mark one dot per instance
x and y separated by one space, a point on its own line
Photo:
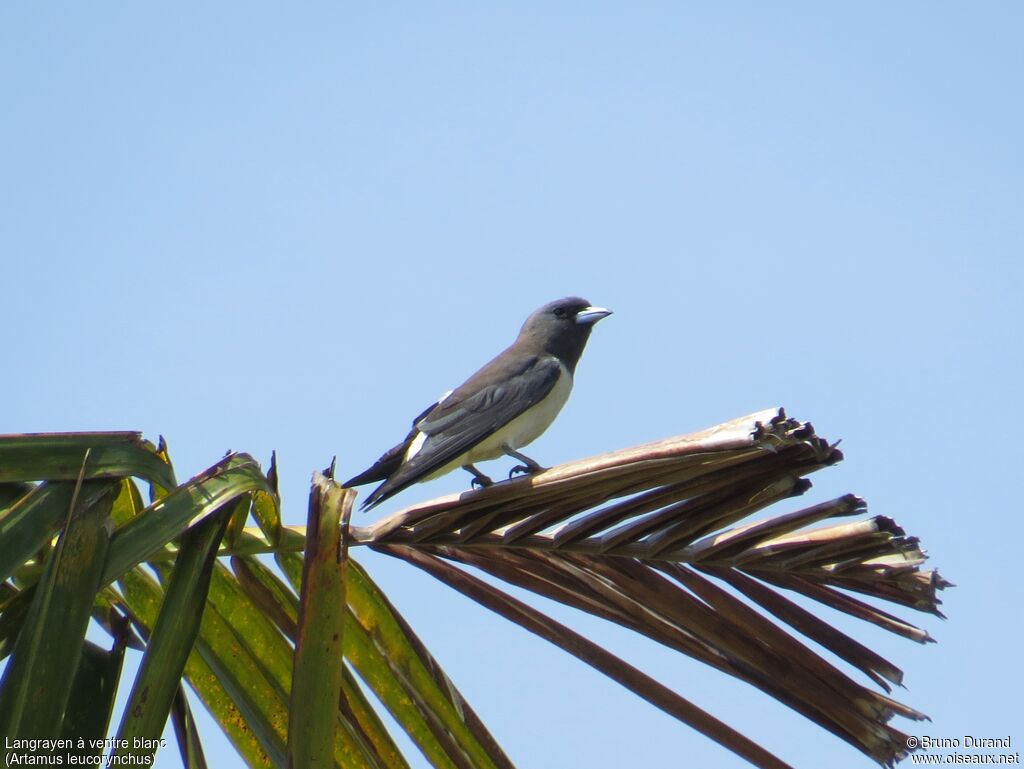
469 415
462 420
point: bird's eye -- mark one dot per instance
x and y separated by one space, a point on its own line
559 312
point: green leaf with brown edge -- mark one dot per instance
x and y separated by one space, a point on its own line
251 655
37 682
405 650
279 602
58 456
358 717
258 635
145 713
396 666
376 671
317 671
264 642
143 596
161 522
274 598
259 700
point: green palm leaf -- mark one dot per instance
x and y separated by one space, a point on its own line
75 545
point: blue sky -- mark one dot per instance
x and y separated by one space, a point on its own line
256 227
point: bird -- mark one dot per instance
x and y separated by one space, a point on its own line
504 406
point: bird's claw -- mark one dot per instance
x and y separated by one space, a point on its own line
523 470
480 482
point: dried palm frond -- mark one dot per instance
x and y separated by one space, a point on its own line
650 538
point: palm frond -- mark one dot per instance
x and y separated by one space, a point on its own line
651 538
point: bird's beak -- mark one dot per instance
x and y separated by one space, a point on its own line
588 316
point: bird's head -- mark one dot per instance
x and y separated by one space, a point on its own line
562 327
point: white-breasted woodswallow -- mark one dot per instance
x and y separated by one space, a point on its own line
501 408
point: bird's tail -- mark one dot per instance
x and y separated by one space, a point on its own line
378 495
395 483
383 468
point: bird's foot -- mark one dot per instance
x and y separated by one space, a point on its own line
480 481
529 466
524 470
